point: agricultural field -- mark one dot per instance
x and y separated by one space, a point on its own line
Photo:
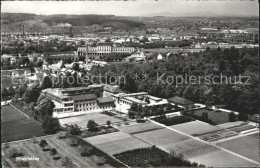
139 128
16 126
172 141
31 149
152 157
246 146
116 142
195 127
82 120
222 158
164 137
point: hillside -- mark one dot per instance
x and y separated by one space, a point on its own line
12 21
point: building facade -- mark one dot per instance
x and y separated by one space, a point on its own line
76 101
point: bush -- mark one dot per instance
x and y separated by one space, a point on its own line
101 161
73 141
22 164
87 151
66 162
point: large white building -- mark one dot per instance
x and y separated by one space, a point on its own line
77 101
123 101
104 50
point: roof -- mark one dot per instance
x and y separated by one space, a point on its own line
84 97
180 100
105 100
112 89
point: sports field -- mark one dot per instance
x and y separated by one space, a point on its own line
195 127
139 128
82 120
222 158
246 146
116 142
16 126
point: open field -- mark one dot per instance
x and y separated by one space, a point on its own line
195 127
82 120
139 128
256 135
7 81
45 159
16 126
173 141
246 146
161 137
117 142
222 158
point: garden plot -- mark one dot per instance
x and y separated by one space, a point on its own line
31 149
195 127
82 120
116 142
222 158
161 137
246 146
170 140
139 128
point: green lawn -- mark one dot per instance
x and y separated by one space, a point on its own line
16 126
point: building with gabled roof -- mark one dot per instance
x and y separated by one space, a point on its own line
182 102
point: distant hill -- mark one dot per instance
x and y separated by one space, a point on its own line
10 21
88 20
16 17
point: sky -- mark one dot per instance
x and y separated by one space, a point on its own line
134 8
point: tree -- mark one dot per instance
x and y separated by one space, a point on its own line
108 123
53 152
74 129
31 95
232 117
134 107
75 67
43 143
242 116
46 83
168 107
66 162
204 115
92 125
11 91
50 125
147 100
4 93
45 107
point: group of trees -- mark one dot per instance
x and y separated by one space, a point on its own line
162 81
